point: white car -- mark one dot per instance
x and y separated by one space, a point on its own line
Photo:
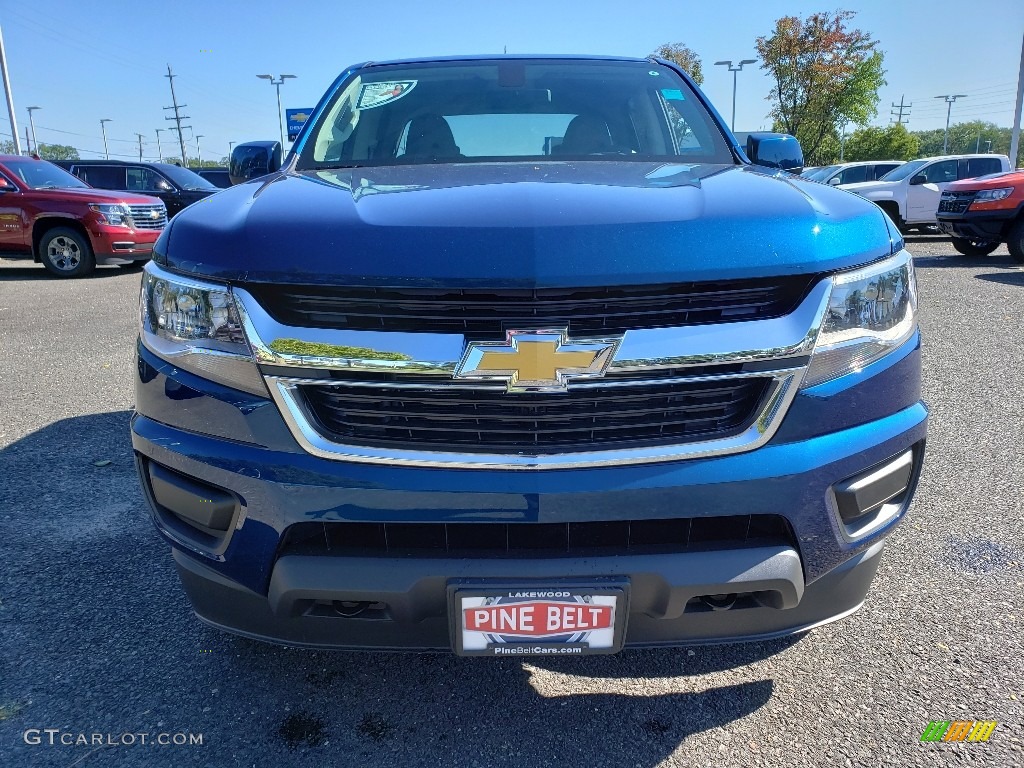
910 194
851 173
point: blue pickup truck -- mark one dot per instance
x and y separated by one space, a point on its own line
526 355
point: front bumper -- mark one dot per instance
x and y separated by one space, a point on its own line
245 582
118 245
416 616
976 225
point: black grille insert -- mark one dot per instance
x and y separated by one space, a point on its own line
536 539
490 312
492 420
955 202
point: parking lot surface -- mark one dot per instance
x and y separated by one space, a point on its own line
97 639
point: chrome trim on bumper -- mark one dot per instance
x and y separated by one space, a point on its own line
438 354
783 389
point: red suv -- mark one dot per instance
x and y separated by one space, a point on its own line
70 227
981 213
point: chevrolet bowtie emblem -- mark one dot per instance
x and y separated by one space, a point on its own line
532 361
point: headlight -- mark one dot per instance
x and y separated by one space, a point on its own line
196 327
991 195
871 311
115 214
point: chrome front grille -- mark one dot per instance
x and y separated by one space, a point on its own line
149 216
955 202
399 397
490 420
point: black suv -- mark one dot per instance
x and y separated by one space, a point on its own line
175 185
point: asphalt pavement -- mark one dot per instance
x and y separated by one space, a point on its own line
98 644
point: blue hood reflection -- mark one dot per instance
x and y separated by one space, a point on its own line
544 224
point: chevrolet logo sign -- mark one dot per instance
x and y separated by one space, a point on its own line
537 361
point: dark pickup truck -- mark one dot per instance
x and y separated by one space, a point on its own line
526 355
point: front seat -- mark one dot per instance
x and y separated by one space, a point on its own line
430 138
585 135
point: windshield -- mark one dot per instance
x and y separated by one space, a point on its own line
820 173
898 174
39 174
509 110
185 178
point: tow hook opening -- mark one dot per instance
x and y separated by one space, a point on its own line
348 609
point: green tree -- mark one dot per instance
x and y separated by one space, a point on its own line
825 76
57 152
966 138
684 56
7 147
873 143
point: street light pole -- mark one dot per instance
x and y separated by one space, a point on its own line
103 127
9 95
199 152
277 84
32 122
949 108
734 69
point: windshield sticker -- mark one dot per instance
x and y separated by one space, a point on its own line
378 94
673 94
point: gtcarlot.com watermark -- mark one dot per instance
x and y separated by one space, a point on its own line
52 737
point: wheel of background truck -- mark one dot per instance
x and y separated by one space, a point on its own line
969 247
893 212
1015 241
66 253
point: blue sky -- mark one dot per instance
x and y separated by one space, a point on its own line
83 61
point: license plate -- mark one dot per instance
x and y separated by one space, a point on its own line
538 620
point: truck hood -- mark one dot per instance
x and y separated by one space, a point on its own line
991 181
93 195
873 190
523 225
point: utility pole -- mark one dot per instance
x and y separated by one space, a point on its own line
28 143
10 97
734 70
177 115
902 108
949 108
230 145
33 124
140 145
1015 134
103 127
199 152
159 149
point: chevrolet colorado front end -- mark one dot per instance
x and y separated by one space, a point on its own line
525 355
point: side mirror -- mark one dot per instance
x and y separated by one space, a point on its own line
254 159
163 186
6 186
775 150
834 181
918 180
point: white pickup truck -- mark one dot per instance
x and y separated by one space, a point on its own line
910 194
